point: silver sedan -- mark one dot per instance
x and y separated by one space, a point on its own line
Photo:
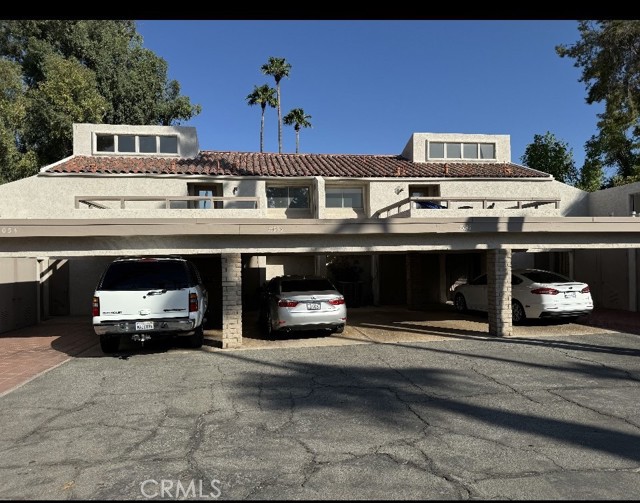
292 303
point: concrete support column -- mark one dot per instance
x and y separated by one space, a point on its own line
633 286
375 278
231 300
499 292
443 295
321 264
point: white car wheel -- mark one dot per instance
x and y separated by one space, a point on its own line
460 303
517 312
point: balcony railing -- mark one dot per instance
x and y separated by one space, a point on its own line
462 203
191 201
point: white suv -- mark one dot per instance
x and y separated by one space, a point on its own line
150 297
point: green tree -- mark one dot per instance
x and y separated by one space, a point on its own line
298 119
67 94
278 68
552 156
131 80
263 96
15 163
607 54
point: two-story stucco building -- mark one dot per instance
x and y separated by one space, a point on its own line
388 229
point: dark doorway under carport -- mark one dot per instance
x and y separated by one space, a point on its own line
211 271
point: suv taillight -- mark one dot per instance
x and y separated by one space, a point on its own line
95 306
193 302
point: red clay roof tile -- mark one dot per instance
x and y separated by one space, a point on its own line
214 163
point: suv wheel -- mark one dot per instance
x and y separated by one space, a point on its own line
196 340
109 343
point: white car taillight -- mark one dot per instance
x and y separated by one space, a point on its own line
336 302
545 291
287 303
585 290
95 306
193 302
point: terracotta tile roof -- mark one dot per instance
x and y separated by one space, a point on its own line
292 165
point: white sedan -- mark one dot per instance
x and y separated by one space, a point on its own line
535 294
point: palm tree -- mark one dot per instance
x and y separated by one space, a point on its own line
277 68
263 96
298 119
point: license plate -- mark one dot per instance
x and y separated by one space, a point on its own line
569 295
144 325
313 306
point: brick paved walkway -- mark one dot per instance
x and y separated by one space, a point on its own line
27 352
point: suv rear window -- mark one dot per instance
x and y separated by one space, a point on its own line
143 275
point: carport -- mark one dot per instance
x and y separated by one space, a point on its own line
227 240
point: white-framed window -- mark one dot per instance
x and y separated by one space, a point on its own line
461 150
135 144
288 196
344 197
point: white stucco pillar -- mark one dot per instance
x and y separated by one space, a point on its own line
499 292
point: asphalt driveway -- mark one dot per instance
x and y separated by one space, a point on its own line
538 416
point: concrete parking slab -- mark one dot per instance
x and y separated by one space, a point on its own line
550 417
30 351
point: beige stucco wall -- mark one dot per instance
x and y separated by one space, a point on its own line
54 196
613 201
573 202
84 138
47 196
416 149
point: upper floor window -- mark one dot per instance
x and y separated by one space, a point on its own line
344 197
288 197
136 144
205 190
461 150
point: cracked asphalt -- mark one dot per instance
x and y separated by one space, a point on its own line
545 417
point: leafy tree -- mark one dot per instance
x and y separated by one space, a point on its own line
607 53
104 58
552 156
277 68
263 96
592 172
14 163
298 119
67 94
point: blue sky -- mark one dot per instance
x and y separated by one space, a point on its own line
368 85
